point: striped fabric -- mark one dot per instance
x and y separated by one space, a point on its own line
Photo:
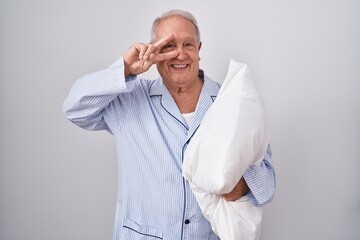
154 200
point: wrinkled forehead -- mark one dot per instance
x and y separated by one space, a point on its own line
179 26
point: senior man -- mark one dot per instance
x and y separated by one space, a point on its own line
152 122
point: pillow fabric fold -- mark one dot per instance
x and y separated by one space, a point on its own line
232 136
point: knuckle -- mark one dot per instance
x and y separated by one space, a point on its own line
151 47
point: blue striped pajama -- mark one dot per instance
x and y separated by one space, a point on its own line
154 200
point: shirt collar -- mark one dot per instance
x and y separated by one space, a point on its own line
210 87
207 96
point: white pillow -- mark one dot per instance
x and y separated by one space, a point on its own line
232 136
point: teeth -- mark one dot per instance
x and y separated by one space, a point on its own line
179 65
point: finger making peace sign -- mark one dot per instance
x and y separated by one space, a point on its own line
140 57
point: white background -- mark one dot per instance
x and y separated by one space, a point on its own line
59 182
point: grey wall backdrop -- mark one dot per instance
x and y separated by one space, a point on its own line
59 182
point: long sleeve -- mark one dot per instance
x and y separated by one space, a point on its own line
91 94
261 180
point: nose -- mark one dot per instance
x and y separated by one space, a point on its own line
182 54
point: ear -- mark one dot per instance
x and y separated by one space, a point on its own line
200 44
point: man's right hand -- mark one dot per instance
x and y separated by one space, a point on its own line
140 57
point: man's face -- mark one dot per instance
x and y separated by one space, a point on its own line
183 68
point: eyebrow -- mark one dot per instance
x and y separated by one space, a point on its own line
192 39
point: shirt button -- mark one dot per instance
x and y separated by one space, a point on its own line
187 221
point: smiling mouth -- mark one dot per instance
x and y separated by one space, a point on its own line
179 66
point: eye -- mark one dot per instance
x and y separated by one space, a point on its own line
189 45
168 47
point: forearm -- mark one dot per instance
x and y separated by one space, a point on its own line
240 190
261 181
92 93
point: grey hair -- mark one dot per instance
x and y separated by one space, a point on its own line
178 13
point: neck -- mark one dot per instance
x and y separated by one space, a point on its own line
186 96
